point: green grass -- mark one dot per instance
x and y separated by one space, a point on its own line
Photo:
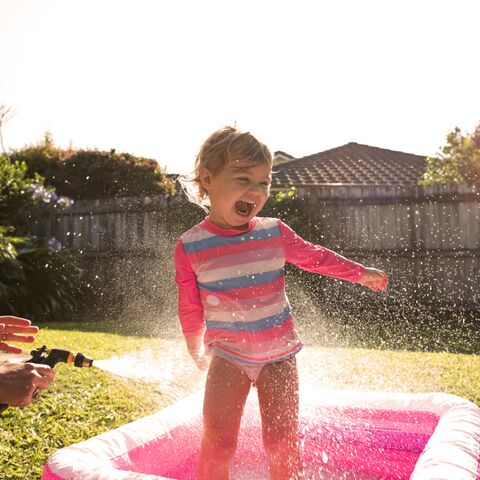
81 404
86 402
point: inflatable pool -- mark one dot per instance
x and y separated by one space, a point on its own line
344 435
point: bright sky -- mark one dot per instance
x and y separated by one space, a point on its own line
155 78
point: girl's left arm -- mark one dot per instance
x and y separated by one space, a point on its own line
316 258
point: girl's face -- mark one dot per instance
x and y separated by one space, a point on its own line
237 193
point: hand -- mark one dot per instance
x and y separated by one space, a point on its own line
375 280
15 329
201 360
196 349
19 382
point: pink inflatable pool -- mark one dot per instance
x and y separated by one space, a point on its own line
344 435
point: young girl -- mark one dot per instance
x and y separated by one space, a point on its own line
232 305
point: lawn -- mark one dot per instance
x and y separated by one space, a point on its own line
86 402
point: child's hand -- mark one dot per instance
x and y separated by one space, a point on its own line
374 279
201 360
196 349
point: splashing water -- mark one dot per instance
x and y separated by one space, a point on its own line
170 367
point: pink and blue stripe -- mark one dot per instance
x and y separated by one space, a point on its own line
238 271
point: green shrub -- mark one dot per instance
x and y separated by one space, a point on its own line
42 282
93 174
17 203
37 278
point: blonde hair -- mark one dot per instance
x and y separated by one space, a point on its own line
218 149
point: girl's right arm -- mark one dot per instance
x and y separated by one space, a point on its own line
190 309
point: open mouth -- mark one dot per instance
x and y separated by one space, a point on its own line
244 208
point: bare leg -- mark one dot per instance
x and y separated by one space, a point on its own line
226 391
278 399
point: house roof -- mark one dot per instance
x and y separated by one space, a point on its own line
351 164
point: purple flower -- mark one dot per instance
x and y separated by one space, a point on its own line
39 192
53 245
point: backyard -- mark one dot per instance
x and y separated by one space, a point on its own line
106 265
85 402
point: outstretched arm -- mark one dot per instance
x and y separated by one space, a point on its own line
318 259
374 279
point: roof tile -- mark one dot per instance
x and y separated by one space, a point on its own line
351 164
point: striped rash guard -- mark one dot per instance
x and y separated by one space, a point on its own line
231 285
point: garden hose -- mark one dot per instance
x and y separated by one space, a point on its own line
50 357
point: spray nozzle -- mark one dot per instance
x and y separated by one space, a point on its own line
51 357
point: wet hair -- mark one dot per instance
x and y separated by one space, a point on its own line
219 148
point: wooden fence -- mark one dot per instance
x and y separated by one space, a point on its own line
427 239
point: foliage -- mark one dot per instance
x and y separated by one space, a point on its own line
457 162
42 281
7 244
6 113
36 278
92 174
295 211
24 198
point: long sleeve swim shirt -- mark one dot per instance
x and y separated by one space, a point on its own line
231 285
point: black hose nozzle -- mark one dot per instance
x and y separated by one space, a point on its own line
45 356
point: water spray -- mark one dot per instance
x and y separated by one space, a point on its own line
50 357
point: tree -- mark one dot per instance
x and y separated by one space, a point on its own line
457 162
6 114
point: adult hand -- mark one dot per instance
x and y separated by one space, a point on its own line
15 329
19 382
374 279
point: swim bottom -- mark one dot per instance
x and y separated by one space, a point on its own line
251 371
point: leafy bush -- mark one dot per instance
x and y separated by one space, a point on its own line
40 282
295 212
92 174
36 278
457 162
24 200
7 247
